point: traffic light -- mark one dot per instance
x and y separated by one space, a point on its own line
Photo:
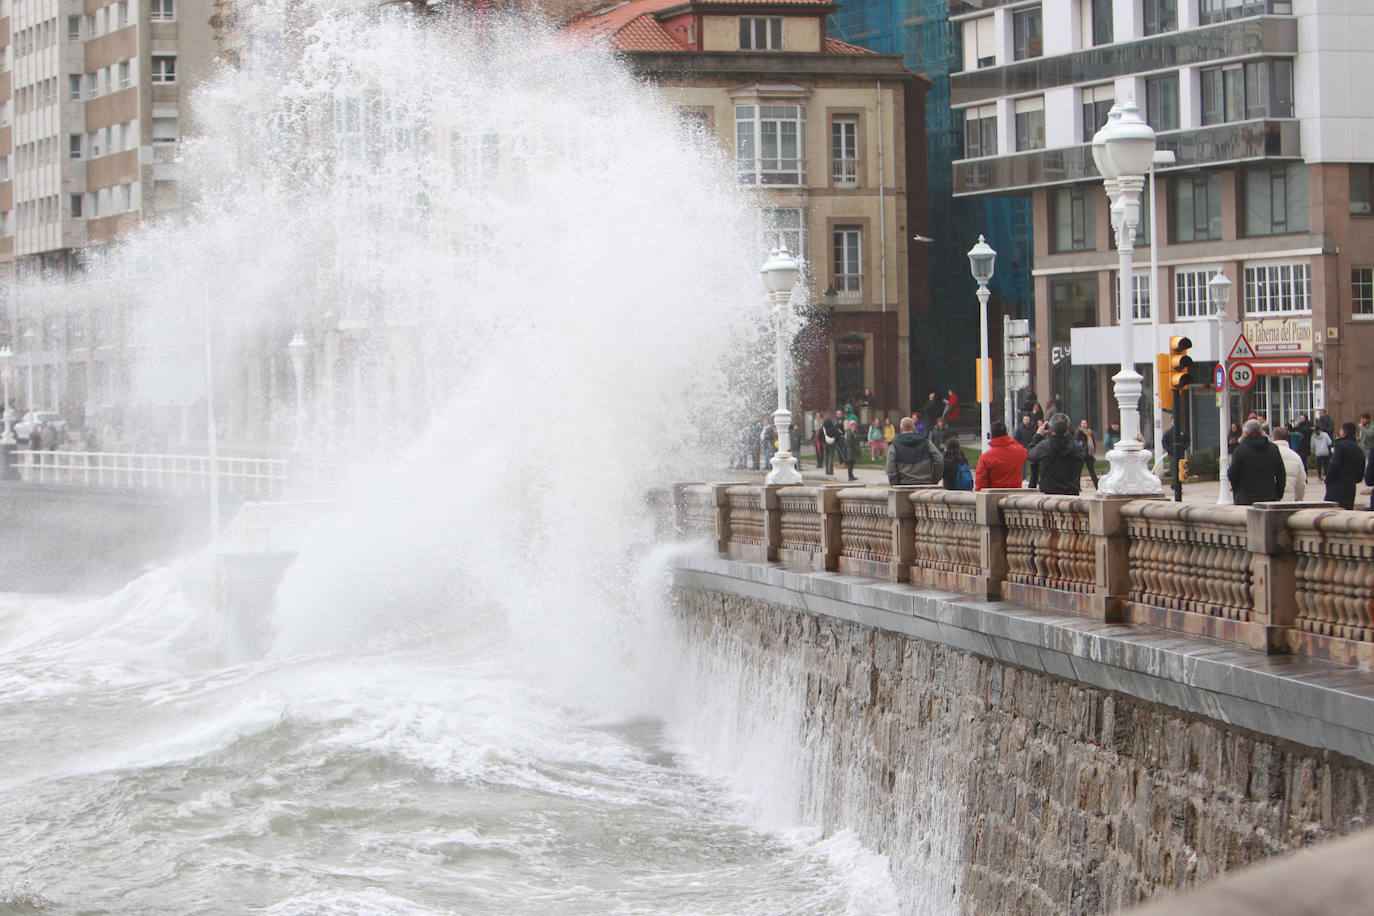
1179 362
1165 393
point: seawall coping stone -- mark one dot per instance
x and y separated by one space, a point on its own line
1305 701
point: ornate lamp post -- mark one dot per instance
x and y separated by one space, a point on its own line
980 261
1123 150
299 350
779 274
1219 291
6 369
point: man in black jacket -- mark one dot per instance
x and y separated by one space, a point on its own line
1060 458
1024 434
913 459
1256 472
1346 468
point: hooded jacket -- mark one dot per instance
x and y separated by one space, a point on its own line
1000 465
1061 464
1295 472
913 459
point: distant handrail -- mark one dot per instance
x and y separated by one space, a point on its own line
249 478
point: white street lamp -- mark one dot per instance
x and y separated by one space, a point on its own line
779 275
1219 291
299 350
1162 157
28 345
1123 150
980 261
6 369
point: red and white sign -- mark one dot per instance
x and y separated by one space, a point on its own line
1241 374
1241 349
1283 366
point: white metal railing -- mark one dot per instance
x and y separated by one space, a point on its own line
248 478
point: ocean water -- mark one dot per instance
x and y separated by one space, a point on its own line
146 773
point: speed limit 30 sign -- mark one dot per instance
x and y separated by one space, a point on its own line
1241 374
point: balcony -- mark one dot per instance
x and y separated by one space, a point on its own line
1206 146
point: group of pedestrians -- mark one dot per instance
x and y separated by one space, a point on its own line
1266 466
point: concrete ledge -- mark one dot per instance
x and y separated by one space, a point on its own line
1308 702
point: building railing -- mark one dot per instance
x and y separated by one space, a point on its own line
247 478
1277 577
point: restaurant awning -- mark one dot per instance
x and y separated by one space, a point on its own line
1281 366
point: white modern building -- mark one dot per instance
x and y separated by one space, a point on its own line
1273 184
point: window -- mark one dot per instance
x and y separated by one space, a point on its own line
1362 291
74 146
1097 22
1282 397
125 77
162 10
1191 297
76 206
165 129
1197 206
122 13
1097 101
76 321
1161 102
1027 36
1258 89
1030 123
760 33
1140 297
846 263
844 151
1210 11
1160 16
92 85
1275 199
980 131
768 144
93 147
1361 189
785 228
1074 218
164 68
980 43
1278 289
73 28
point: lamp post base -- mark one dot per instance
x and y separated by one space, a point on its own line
784 472
1129 474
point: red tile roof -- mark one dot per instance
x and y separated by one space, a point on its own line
634 25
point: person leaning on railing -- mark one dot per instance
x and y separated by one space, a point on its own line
1001 464
1060 458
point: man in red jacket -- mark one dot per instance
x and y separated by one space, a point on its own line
1000 465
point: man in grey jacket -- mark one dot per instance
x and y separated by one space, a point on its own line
913 459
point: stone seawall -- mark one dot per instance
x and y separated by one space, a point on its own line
1011 761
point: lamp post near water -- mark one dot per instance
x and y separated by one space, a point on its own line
7 369
298 349
1123 150
1219 291
980 261
779 274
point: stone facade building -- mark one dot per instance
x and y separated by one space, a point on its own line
830 137
1272 185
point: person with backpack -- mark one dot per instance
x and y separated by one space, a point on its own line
913 460
957 474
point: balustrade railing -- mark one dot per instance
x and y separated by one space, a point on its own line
1279 577
248 478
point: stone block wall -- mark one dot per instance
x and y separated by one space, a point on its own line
998 789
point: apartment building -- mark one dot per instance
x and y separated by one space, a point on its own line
92 101
830 138
1272 184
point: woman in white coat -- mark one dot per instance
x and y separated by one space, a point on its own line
1293 467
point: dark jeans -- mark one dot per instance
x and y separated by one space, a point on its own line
830 458
1322 462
